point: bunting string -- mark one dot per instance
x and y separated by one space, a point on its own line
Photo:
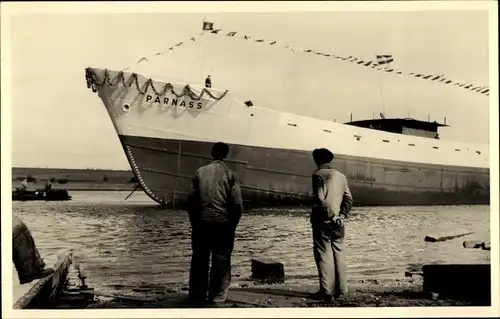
380 63
188 40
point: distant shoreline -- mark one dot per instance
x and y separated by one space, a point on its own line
75 179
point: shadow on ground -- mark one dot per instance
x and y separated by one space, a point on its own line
278 297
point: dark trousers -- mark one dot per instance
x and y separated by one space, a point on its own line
25 255
330 260
214 240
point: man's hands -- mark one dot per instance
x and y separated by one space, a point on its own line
338 220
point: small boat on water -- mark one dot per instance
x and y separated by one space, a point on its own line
20 194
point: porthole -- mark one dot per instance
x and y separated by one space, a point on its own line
126 107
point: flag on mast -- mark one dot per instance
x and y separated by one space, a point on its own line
208 26
384 59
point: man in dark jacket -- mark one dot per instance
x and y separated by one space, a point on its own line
333 201
214 212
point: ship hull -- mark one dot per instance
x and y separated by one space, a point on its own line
269 176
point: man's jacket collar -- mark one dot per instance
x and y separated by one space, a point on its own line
326 166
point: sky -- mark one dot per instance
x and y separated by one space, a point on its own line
58 122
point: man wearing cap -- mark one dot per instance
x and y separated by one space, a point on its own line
215 210
332 202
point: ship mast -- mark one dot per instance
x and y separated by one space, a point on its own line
200 52
381 91
387 64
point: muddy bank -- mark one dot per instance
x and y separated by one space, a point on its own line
363 293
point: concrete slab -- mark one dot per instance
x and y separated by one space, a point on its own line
268 270
459 281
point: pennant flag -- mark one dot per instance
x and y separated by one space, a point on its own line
208 26
274 42
261 40
231 34
171 48
142 60
193 39
427 76
307 50
418 75
438 77
246 37
485 91
389 70
179 44
448 82
384 58
368 63
216 31
399 72
159 53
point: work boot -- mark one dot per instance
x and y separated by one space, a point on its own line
218 299
321 296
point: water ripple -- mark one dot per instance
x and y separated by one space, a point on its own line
134 243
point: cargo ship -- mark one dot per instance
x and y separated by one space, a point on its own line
167 130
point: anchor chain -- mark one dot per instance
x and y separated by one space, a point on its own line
93 83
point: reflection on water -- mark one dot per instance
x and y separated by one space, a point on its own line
136 243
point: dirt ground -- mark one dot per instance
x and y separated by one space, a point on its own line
363 293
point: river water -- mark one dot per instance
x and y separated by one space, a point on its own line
134 243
